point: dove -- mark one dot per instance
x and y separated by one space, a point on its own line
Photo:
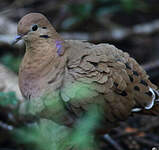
81 74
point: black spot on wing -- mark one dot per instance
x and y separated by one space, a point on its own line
136 88
131 78
135 73
143 82
127 66
123 93
51 81
93 63
149 93
115 84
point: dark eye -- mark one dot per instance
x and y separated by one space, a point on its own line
35 27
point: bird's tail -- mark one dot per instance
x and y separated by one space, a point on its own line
153 109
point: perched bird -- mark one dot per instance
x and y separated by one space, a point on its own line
82 74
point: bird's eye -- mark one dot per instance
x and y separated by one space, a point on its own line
35 27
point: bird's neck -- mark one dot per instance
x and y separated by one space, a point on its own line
41 56
41 62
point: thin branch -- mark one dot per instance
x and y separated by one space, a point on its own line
5 126
112 142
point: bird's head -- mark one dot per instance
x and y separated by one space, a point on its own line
33 26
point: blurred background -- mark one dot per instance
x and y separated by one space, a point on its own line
130 25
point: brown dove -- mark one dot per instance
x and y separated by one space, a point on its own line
82 74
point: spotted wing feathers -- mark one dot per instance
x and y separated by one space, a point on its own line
110 78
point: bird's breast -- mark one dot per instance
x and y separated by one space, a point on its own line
29 86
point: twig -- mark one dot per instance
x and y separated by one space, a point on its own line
112 142
5 126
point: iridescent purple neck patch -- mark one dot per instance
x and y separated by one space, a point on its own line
59 47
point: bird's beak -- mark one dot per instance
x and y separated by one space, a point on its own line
17 38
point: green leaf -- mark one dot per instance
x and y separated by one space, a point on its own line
47 135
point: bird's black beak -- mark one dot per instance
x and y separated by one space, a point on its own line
17 38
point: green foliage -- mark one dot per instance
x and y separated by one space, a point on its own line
11 61
83 136
47 135
8 98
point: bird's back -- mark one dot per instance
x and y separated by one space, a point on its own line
102 74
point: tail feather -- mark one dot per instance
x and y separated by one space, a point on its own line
152 108
153 111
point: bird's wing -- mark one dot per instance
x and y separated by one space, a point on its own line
102 74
